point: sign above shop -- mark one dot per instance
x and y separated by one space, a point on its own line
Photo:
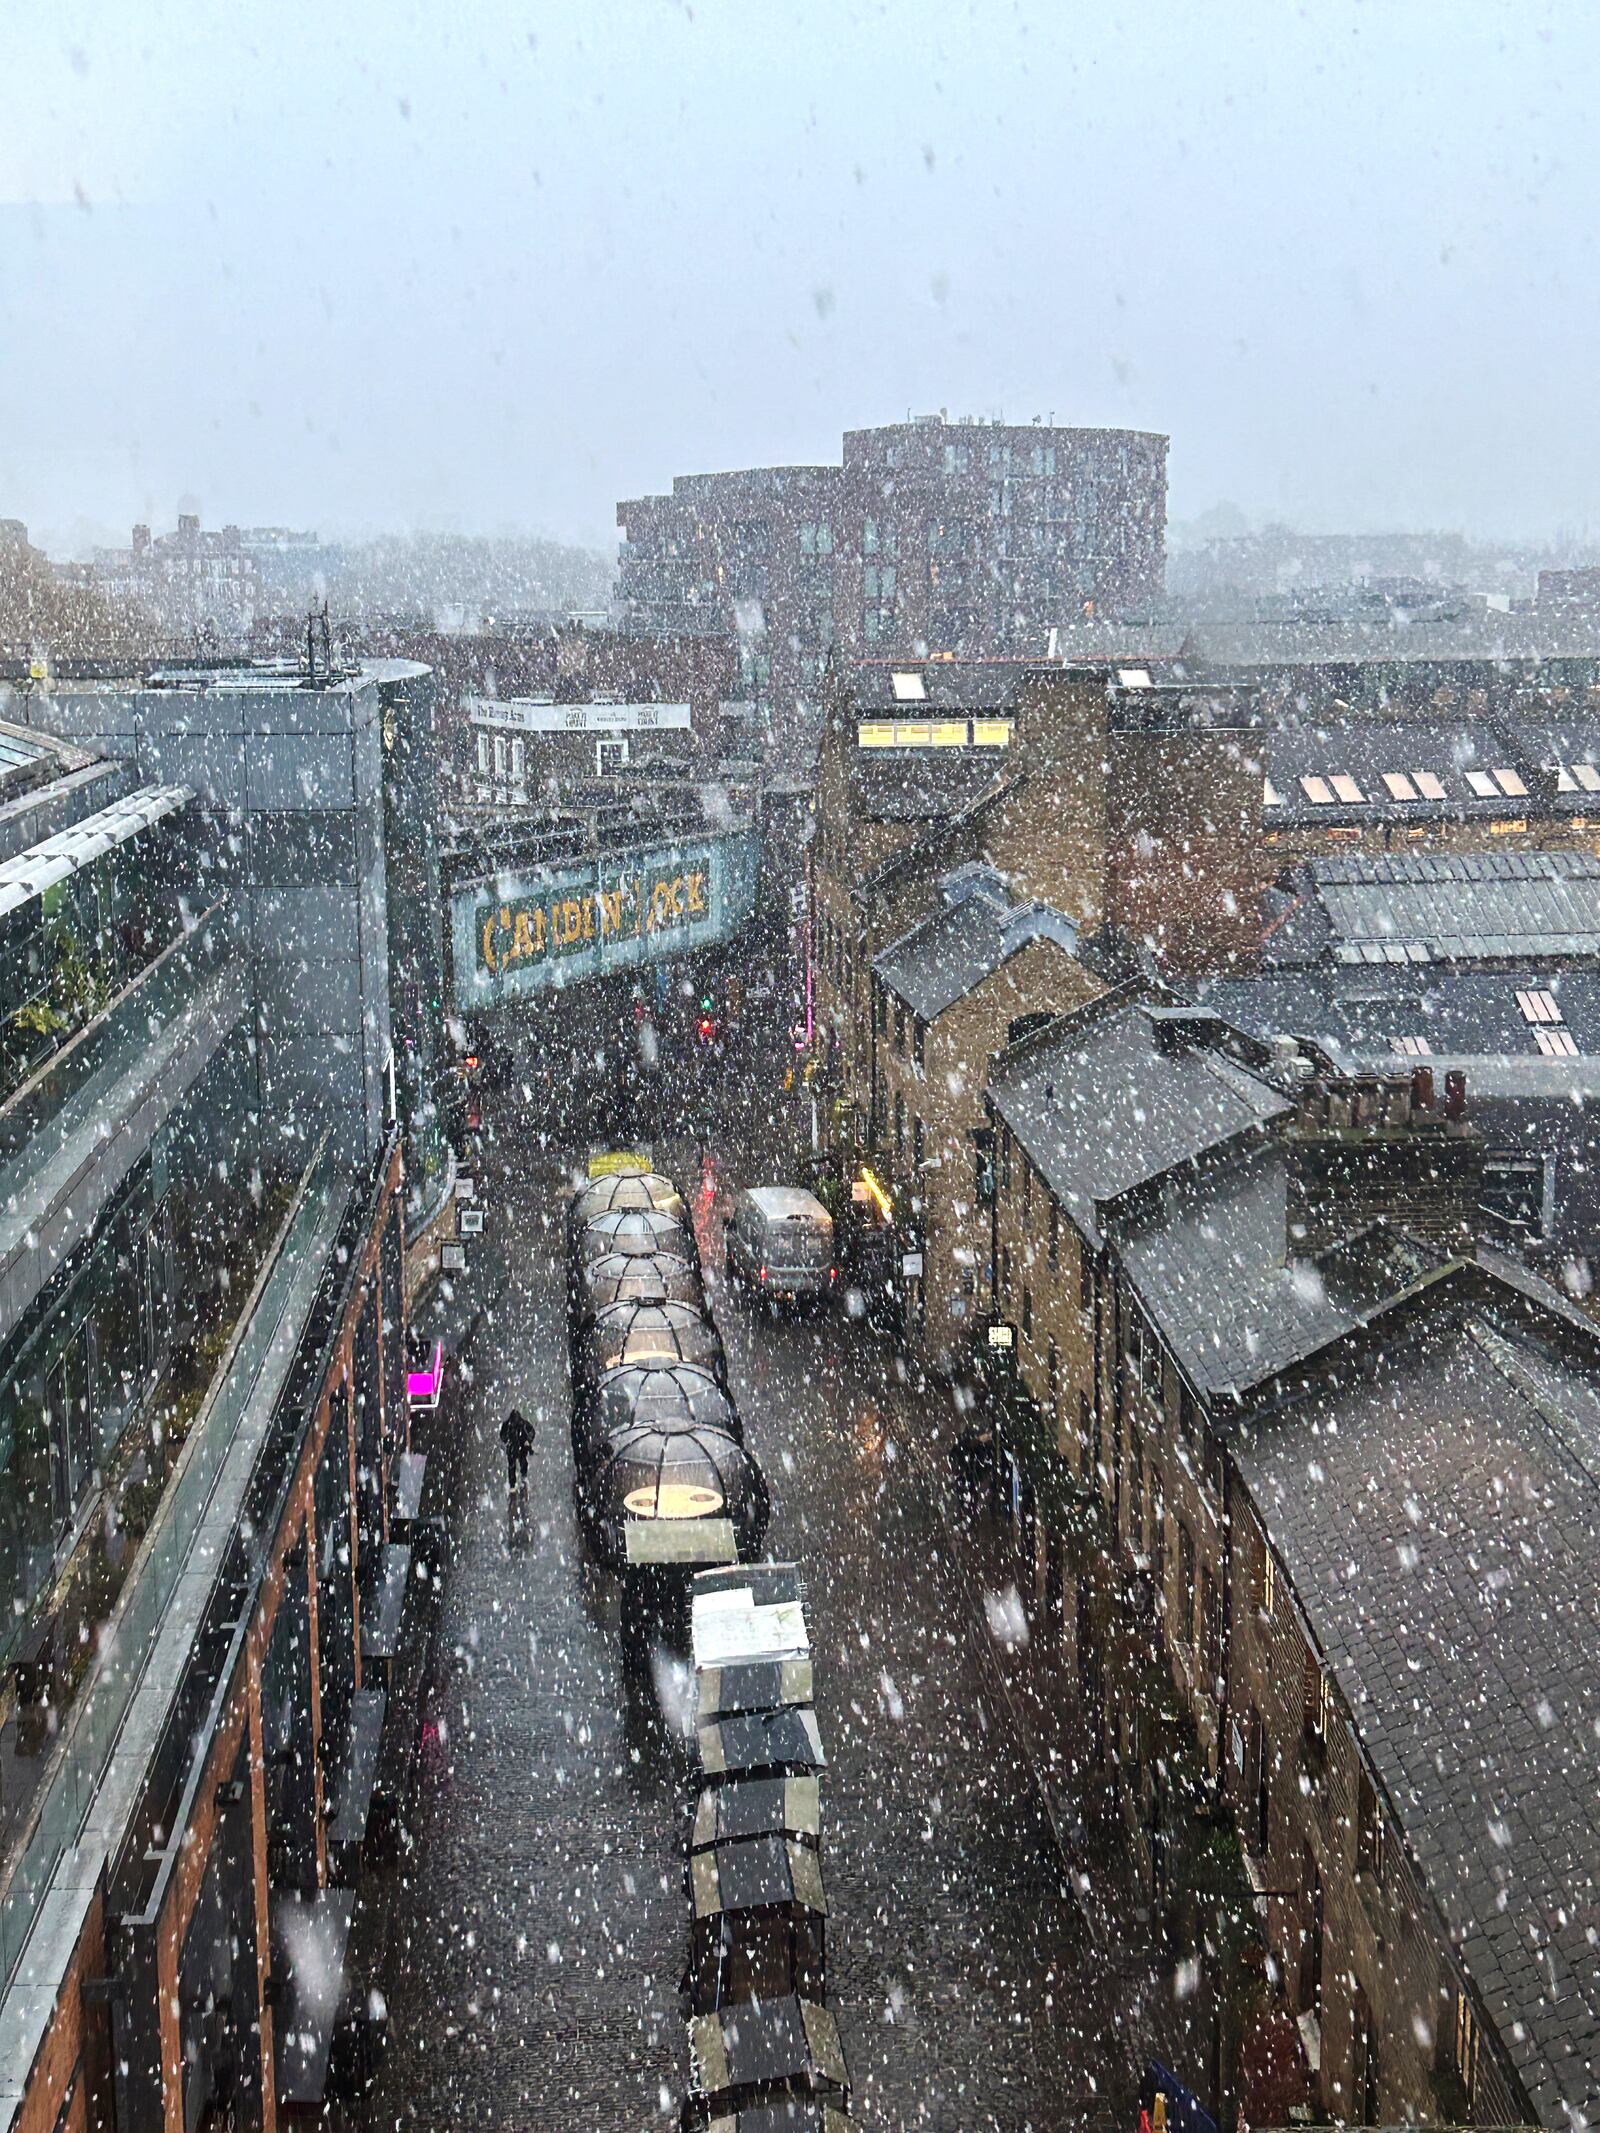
541 928
532 714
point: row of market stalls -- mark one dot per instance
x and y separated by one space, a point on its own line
665 1483
764 2050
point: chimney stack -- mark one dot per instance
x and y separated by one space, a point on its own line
1367 1148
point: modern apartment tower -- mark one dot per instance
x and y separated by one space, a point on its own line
969 537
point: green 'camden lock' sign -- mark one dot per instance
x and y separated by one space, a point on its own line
540 928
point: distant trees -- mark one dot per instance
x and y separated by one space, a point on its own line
447 576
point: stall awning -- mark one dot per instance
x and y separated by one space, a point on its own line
58 858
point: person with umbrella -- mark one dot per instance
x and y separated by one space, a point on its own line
516 1434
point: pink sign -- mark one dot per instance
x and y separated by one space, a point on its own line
424 1384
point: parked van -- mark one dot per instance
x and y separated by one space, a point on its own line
779 1241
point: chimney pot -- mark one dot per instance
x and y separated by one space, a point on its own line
1455 1094
1422 1088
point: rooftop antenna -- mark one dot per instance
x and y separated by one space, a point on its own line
319 638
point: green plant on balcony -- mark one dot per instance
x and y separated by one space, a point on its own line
76 988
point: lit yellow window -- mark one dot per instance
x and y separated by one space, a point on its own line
991 732
950 733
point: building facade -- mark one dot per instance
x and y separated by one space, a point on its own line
1249 1318
961 537
208 1481
193 583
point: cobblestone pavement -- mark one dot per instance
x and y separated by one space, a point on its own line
535 1942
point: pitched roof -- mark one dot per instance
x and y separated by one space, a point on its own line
1469 906
1209 1261
1368 1017
1100 1103
975 930
1441 1539
891 686
1543 754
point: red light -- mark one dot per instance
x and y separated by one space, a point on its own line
471 1062
763 1273
708 1029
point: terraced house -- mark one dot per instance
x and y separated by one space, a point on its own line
1345 1456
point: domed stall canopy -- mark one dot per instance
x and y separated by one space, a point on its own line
664 1395
742 2058
629 1333
778 1743
602 1195
758 1926
665 1277
658 1472
638 1230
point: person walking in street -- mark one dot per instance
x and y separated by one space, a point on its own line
516 1434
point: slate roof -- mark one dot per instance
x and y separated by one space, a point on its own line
1442 1539
1209 1261
1358 1016
947 685
1453 907
950 953
1100 1105
1365 748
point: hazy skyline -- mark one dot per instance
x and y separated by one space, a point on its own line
380 268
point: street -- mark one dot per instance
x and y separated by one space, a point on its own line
532 1945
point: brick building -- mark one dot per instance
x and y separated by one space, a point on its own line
1128 808
962 537
956 988
521 710
191 582
1322 1430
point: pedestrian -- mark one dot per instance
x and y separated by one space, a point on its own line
516 1434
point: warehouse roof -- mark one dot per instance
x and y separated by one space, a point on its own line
1363 1017
1438 1520
1349 770
1469 906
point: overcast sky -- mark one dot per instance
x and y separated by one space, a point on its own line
491 267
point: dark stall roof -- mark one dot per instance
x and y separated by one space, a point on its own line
780 2040
753 1685
755 1807
762 1740
968 938
756 1874
1438 1522
1100 1104
1425 907
790 2114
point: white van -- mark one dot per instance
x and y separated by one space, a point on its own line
780 1242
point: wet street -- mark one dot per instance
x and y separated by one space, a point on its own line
533 1943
